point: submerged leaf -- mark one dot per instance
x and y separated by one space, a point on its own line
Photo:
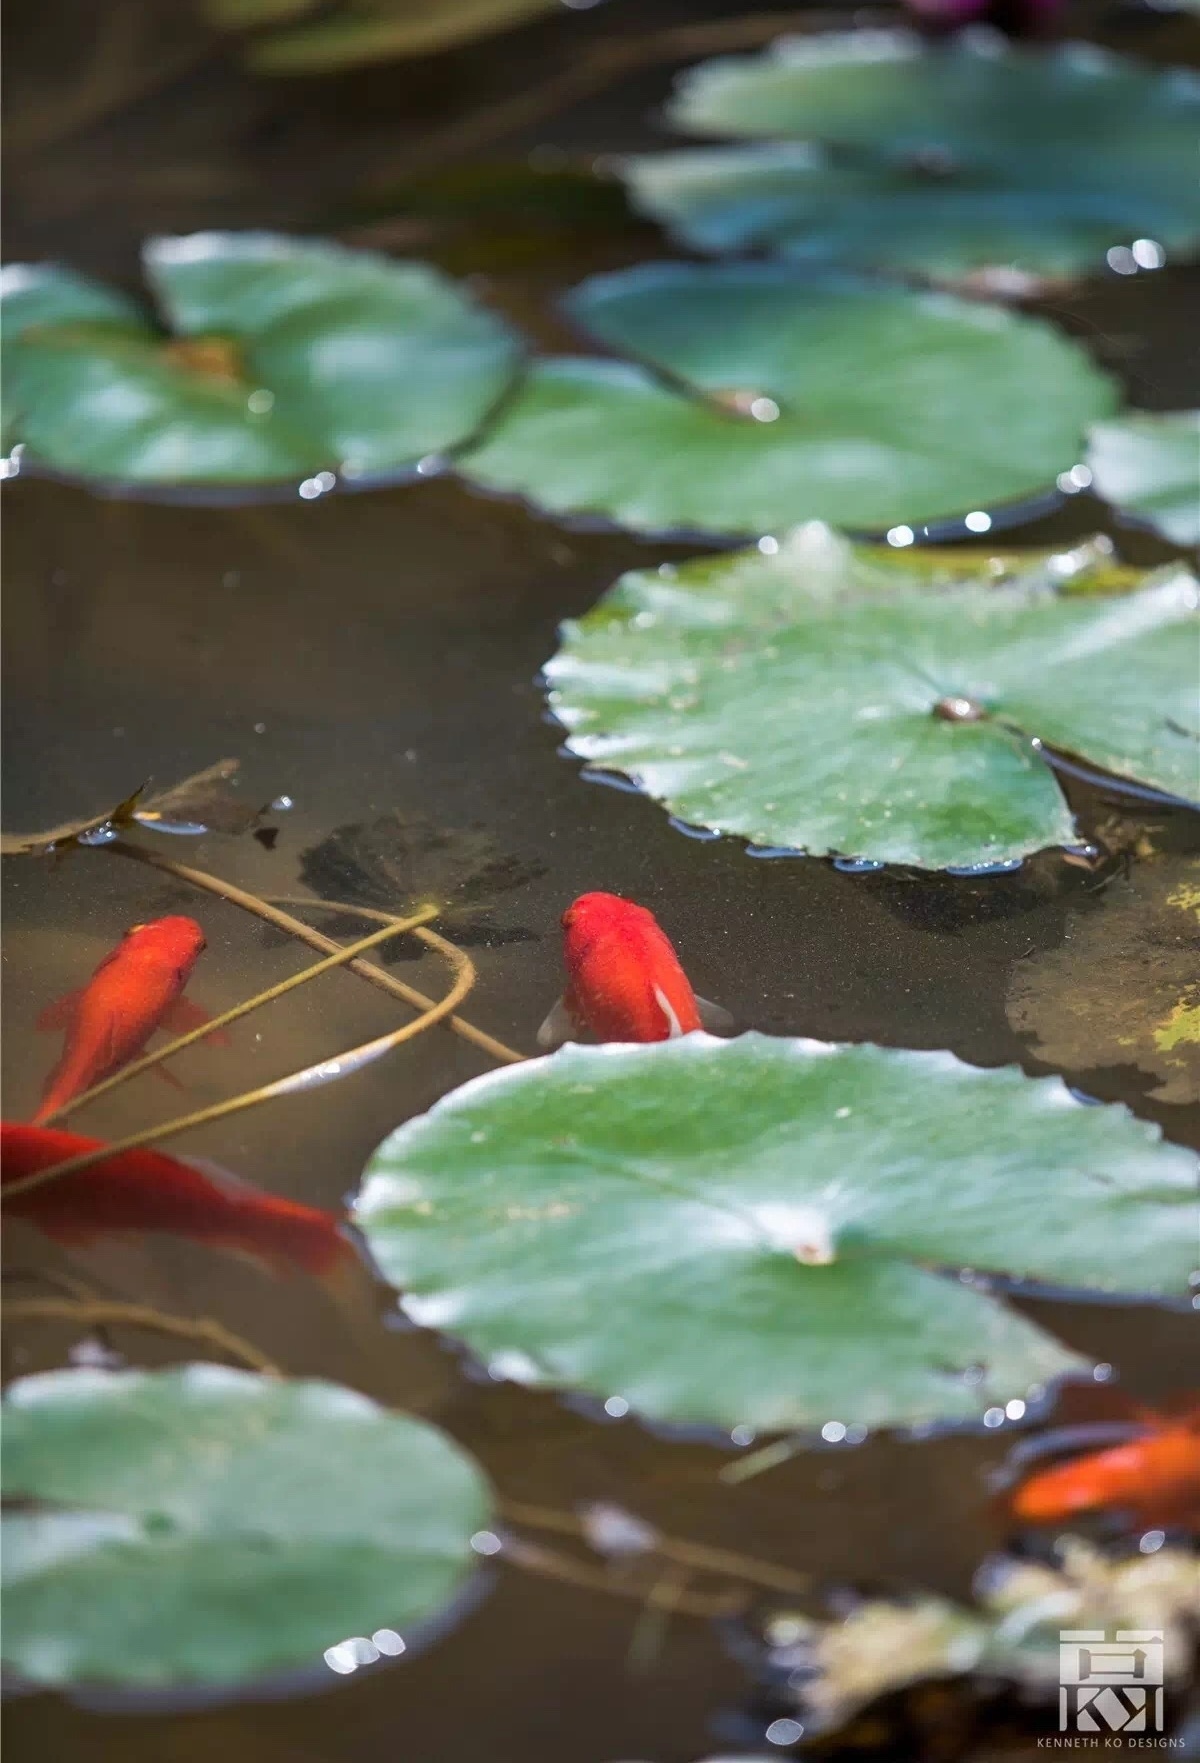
835 698
1124 987
205 802
1148 467
367 31
755 395
288 356
973 161
766 1232
204 1525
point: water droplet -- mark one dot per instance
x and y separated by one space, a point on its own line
1148 254
857 865
742 1436
1015 1409
994 1417
900 535
764 410
1102 1373
486 1542
784 1732
1151 1541
259 402
977 521
769 546
1121 259
617 1406
833 1432
389 1642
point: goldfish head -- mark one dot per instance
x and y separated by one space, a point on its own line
177 940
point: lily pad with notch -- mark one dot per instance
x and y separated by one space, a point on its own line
281 357
879 703
754 395
770 1232
156 1492
976 162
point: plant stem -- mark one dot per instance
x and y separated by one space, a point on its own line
217 1022
553 1564
101 1312
212 884
341 1065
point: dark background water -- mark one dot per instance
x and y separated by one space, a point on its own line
379 652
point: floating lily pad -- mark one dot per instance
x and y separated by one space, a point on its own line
971 160
842 699
204 1525
285 356
1149 468
756 394
750 1231
1124 987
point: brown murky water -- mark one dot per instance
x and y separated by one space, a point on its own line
379 652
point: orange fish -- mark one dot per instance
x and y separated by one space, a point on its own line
135 990
626 983
145 1190
1156 1478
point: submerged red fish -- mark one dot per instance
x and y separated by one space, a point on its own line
1156 1478
145 1190
626 983
135 990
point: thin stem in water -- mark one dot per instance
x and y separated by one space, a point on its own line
105 1312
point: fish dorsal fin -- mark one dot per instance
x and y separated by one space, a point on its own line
558 1028
60 1013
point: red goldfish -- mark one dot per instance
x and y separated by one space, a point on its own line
145 1190
1156 1478
626 983
135 990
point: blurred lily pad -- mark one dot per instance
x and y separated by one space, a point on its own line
1011 1632
753 395
1124 986
403 861
882 703
768 1232
282 357
204 1525
975 161
1148 467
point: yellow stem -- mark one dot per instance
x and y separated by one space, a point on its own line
105 1312
341 1065
217 1022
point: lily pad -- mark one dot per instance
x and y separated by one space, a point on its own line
841 699
1124 987
204 1525
758 1232
965 161
285 357
1148 467
757 394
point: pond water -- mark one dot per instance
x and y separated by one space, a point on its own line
378 653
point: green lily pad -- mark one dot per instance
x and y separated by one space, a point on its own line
1148 467
963 161
748 1232
841 699
204 1525
286 356
1124 986
756 395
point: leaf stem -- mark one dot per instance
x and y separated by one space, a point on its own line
102 1312
217 1022
341 1065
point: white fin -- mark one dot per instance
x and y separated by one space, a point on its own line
674 1027
716 1020
558 1028
236 1186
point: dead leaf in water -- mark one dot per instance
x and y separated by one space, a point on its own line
402 861
1124 987
204 802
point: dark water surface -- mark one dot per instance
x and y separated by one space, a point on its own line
379 652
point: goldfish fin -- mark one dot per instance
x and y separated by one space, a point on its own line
181 1017
716 1020
558 1028
220 1177
60 1014
674 1026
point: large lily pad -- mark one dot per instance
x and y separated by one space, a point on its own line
285 357
749 1232
205 1525
834 698
1148 466
951 161
755 395
1124 986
